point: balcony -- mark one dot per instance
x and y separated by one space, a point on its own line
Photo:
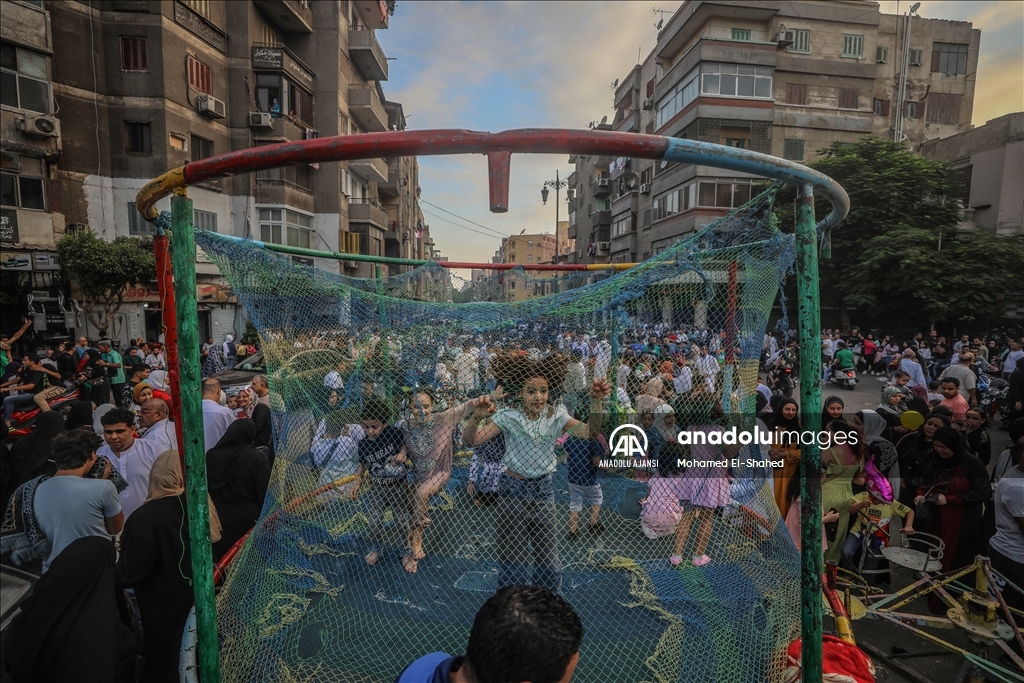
365 107
283 129
367 211
367 54
293 16
601 186
375 170
372 12
601 218
392 186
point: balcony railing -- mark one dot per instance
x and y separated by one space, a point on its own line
367 211
365 107
294 16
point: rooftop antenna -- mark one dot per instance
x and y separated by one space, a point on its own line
662 12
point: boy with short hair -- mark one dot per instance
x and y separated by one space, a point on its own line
877 507
381 454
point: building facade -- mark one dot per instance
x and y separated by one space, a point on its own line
990 159
143 86
782 78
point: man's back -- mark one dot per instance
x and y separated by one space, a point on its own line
163 435
216 420
134 465
844 357
68 508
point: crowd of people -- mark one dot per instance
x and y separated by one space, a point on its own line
110 475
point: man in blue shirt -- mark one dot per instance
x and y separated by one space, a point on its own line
522 633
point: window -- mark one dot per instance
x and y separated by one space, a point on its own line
673 102
881 107
793 150
24 187
201 7
942 109
725 195
133 54
881 54
295 227
732 80
910 110
741 34
179 142
200 76
137 224
669 204
853 46
801 41
848 98
529 258
529 245
623 226
201 148
796 93
205 220
138 137
949 58
23 79
916 57
268 89
291 99
735 136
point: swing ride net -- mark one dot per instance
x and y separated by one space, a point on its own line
415 352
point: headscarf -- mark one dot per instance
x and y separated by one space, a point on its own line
165 480
774 402
780 422
951 439
888 393
252 401
825 417
137 391
158 380
88 362
874 425
239 440
648 401
668 433
79 415
264 430
883 451
30 455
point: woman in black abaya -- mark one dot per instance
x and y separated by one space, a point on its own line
238 473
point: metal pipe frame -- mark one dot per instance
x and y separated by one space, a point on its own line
499 147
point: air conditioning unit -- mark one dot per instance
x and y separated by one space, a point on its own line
649 103
784 38
645 188
916 57
603 182
603 246
350 264
260 119
211 106
39 126
881 54
75 228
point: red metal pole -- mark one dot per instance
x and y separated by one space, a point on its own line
165 285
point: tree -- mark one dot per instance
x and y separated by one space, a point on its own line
897 257
105 270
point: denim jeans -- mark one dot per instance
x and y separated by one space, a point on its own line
23 400
851 546
526 515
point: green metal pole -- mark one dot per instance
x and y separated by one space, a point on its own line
183 260
811 561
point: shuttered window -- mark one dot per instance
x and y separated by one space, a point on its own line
853 46
796 93
133 54
200 76
942 109
881 107
848 98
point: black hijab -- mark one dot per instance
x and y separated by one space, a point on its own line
954 441
79 415
30 455
264 431
88 362
780 422
238 473
70 628
825 417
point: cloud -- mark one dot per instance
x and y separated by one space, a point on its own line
499 65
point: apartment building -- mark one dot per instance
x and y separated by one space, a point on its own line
143 86
782 78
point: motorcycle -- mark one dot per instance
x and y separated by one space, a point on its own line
781 381
994 401
22 421
846 378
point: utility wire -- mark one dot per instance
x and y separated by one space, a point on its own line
463 227
480 225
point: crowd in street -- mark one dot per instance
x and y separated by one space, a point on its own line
110 476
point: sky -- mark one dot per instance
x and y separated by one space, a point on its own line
494 66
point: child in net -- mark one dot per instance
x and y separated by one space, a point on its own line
531 423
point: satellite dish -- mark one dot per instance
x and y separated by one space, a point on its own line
631 183
660 23
604 120
664 164
616 83
915 7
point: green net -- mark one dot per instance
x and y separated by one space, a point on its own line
424 422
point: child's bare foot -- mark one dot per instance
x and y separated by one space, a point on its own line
410 563
479 503
372 557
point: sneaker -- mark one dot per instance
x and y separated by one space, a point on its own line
701 561
675 560
572 535
597 528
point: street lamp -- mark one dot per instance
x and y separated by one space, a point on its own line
558 184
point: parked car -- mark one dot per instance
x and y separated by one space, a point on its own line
243 372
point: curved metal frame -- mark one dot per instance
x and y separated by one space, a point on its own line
498 147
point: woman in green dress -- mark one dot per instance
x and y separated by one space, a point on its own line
843 463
